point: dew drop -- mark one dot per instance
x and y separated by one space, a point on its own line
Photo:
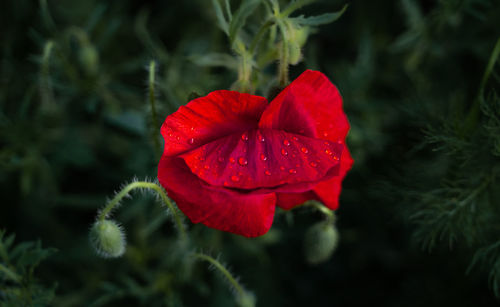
206 166
304 150
242 161
235 178
178 138
313 164
325 134
284 152
192 128
282 168
328 152
336 158
292 171
286 142
263 157
244 137
232 160
268 173
262 139
191 141
295 138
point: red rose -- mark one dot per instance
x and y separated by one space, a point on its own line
230 158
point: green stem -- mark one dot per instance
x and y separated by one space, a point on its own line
223 270
144 185
294 6
259 35
472 117
283 65
152 101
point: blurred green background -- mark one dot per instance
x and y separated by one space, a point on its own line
419 213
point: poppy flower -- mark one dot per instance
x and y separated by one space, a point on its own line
230 158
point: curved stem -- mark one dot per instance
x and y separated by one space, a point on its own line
144 185
223 270
258 36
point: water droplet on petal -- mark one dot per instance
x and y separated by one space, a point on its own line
192 129
242 161
178 138
325 134
282 168
286 142
262 138
292 171
244 137
295 138
206 166
336 158
268 173
328 152
235 178
313 164
284 152
304 150
263 157
191 141
232 160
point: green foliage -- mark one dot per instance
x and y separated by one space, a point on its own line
77 98
18 284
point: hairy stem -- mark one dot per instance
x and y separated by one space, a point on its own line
144 185
223 270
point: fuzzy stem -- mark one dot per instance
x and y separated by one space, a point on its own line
152 101
223 270
283 65
144 185
258 36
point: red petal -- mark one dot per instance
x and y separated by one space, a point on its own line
265 159
250 215
311 105
207 118
328 191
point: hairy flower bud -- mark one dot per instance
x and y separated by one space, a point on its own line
108 238
89 58
320 242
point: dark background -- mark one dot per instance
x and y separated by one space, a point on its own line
401 66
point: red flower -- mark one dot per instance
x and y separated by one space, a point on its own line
230 158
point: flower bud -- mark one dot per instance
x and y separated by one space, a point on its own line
294 52
320 242
246 299
108 238
89 58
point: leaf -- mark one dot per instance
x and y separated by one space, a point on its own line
220 17
240 16
320 19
